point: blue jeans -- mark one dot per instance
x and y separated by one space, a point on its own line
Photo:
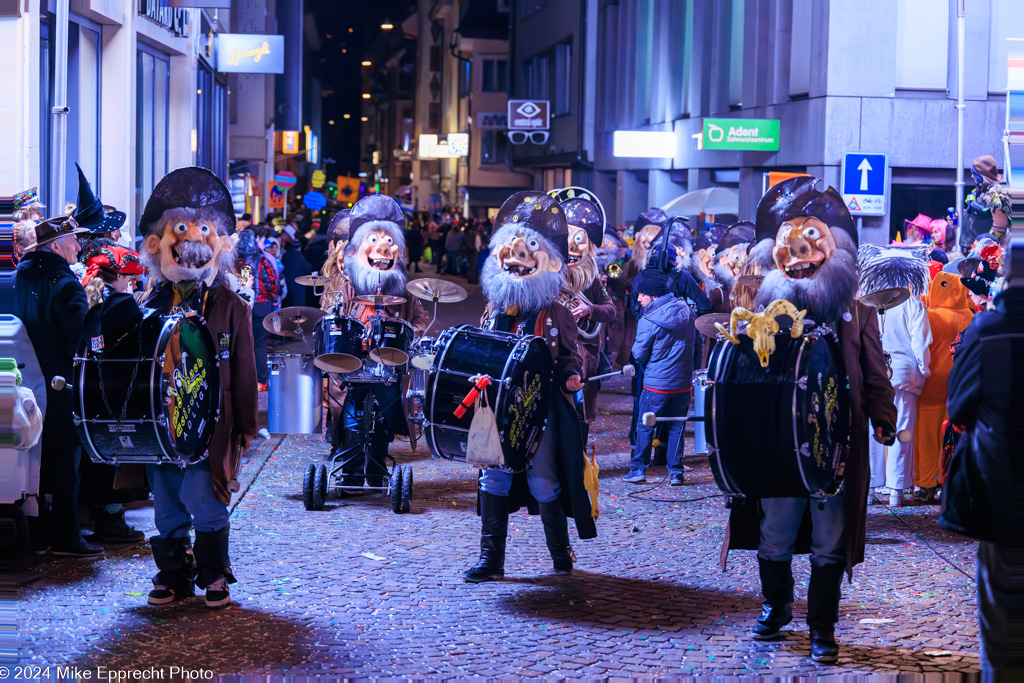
662 405
542 475
781 524
183 498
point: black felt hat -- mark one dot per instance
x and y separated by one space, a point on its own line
338 229
652 216
799 196
710 237
89 210
738 233
54 228
190 188
372 208
536 211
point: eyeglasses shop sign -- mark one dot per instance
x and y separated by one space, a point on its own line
250 53
750 135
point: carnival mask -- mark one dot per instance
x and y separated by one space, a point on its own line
802 245
378 251
704 257
579 245
188 248
522 257
646 236
734 258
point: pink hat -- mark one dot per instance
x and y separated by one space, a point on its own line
922 223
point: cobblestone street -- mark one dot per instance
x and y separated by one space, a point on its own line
355 590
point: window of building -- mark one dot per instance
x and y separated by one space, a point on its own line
211 133
800 49
536 76
1007 18
736 54
153 69
493 147
464 75
561 93
495 75
922 44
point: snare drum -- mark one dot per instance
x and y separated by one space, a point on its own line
339 344
521 371
295 394
392 341
153 396
784 430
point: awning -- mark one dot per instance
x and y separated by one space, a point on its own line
490 196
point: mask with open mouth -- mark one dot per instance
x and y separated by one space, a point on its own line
374 258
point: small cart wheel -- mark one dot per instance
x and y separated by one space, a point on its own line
406 488
325 482
308 487
395 483
319 487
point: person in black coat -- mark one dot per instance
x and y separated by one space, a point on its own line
51 303
987 469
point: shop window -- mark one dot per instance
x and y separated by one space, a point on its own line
495 75
493 147
153 69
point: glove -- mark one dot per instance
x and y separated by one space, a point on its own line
885 433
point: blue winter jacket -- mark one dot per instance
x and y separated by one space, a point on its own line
664 344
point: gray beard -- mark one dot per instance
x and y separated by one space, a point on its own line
190 253
523 294
365 280
724 277
825 296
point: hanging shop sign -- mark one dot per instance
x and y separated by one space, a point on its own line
491 120
250 53
286 179
529 114
743 135
644 143
449 146
290 141
315 201
277 196
348 188
318 179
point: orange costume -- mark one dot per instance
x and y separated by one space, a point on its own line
949 314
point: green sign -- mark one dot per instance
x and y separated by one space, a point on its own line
750 135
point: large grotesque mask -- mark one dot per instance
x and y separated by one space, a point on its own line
529 250
731 253
808 244
187 223
374 257
586 220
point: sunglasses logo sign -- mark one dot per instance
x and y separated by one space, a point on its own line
528 121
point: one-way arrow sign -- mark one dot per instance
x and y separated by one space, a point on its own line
864 183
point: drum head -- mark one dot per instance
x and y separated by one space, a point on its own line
423 361
191 382
823 435
338 362
388 356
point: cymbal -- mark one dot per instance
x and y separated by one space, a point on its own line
705 324
378 300
312 280
423 361
387 356
337 362
750 280
886 298
294 321
430 288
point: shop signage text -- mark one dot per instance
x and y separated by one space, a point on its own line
745 135
250 53
529 115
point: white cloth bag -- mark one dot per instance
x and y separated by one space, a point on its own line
483 446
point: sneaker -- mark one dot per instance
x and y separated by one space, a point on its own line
262 386
80 548
217 593
635 477
677 480
926 495
161 595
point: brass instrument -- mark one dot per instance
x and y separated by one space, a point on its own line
614 269
588 329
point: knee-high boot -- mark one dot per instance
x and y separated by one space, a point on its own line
493 533
556 533
823 595
777 610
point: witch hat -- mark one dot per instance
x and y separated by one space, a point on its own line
89 210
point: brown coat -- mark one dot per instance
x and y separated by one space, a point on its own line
871 397
229 319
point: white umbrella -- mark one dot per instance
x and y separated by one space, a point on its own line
708 200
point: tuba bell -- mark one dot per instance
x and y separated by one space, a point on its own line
588 329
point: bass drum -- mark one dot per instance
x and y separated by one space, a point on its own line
153 396
521 372
784 430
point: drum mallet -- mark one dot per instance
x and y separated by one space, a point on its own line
626 371
651 419
471 397
58 383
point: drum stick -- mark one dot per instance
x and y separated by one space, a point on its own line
471 397
626 371
58 383
651 419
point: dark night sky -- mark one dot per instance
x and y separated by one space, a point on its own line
337 65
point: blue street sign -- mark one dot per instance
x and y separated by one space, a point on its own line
864 176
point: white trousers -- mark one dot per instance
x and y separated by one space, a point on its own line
893 466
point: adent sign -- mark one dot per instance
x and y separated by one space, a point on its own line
751 135
250 53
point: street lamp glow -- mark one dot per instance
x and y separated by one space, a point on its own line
364 118
367 62
346 116
331 122
366 95
387 26
644 143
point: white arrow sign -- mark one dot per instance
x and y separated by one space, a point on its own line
864 167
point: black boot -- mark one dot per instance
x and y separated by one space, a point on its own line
173 557
493 532
213 566
777 610
556 533
823 594
111 527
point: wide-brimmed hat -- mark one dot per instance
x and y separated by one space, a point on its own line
89 211
190 188
54 228
583 209
370 209
339 226
539 212
795 197
737 233
922 223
